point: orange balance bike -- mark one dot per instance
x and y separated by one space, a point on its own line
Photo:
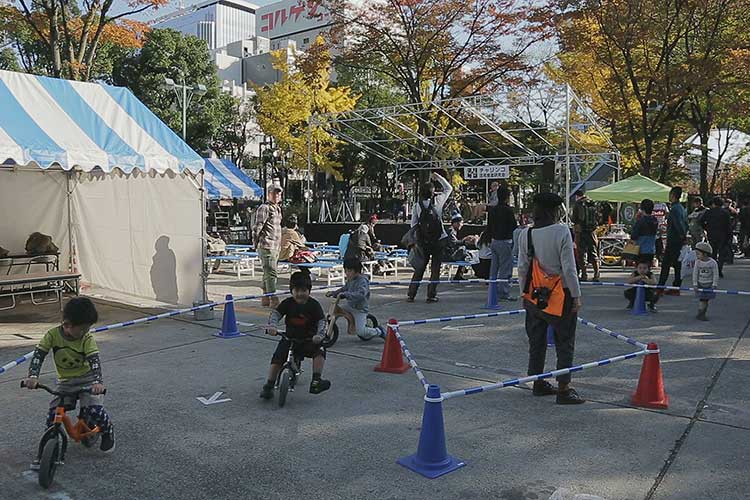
54 442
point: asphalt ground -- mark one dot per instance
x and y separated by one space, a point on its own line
344 443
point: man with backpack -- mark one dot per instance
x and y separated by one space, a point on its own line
430 235
586 219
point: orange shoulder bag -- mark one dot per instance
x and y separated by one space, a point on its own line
543 290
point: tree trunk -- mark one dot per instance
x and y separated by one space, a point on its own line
704 165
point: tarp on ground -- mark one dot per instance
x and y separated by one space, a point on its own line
631 190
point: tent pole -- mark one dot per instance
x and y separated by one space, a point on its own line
567 152
68 192
204 276
309 165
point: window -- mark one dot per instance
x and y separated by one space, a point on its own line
305 41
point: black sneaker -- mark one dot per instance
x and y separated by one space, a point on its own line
319 385
629 306
432 300
108 440
267 391
652 307
569 397
701 316
543 388
410 299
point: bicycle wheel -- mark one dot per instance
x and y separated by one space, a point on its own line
48 462
283 386
331 339
372 322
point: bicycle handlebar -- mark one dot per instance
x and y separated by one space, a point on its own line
62 394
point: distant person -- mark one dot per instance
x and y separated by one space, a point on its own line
644 232
267 238
718 224
291 239
744 219
695 221
362 243
484 256
455 248
677 229
705 277
585 220
492 198
642 275
427 217
552 294
501 223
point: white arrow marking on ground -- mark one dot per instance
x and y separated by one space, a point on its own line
462 327
213 399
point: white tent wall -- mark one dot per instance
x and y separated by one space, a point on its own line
139 234
33 200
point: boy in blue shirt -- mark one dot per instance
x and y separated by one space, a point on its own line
356 291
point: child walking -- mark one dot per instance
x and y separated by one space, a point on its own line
705 276
76 358
304 320
356 291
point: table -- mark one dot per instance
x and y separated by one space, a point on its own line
241 262
51 261
34 283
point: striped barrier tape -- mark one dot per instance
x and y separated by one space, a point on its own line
555 373
410 358
16 362
458 318
514 281
613 334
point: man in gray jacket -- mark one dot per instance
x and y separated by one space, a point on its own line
267 239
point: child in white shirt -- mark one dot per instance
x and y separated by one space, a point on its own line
705 276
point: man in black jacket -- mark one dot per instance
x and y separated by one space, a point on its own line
718 224
501 222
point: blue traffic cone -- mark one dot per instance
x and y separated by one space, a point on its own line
229 328
639 307
492 302
432 459
550 336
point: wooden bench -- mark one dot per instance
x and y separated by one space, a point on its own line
14 285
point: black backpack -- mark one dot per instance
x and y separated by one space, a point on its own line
429 225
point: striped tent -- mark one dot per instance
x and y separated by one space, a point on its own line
115 187
223 179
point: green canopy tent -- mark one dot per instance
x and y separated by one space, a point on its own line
632 190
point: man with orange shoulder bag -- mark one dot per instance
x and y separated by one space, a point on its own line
551 294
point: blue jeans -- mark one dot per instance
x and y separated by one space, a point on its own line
502 265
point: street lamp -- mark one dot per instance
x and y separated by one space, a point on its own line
184 94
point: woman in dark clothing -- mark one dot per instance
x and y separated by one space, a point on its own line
644 232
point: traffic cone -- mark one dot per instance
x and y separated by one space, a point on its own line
550 336
639 307
650 392
432 459
229 328
492 302
392 360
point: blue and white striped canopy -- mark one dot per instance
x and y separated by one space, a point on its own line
223 179
47 122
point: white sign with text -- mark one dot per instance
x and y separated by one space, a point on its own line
487 172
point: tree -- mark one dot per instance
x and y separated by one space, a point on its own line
625 55
8 60
183 58
71 34
717 28
437 49
285 108
238 127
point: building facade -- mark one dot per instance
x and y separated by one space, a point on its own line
290 20
218 22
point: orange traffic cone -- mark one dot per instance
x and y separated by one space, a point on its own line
392 360
650 392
